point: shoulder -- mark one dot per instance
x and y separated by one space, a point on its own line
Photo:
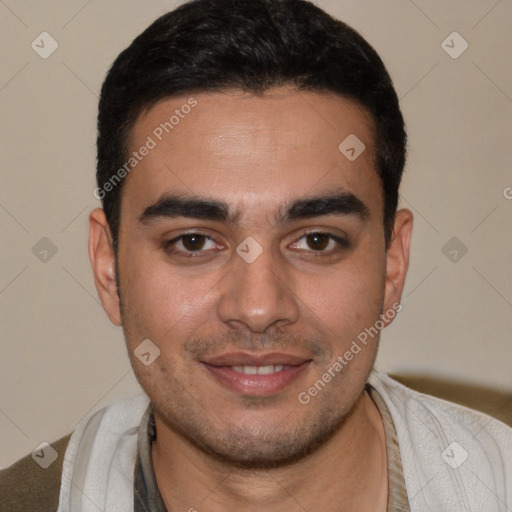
26 485
411 406
450 454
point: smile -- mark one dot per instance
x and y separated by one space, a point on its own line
256 380
258 370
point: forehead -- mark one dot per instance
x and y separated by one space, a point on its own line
252 150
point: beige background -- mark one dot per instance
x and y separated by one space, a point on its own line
61 358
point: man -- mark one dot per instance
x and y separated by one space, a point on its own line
249 159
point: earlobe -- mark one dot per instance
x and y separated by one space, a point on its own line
397 258
101 255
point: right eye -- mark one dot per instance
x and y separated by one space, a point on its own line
190 245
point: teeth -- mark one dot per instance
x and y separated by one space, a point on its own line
258 370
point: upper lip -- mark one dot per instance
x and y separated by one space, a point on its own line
248 359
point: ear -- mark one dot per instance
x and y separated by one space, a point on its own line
102 258
397 261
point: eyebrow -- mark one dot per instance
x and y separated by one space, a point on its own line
171 206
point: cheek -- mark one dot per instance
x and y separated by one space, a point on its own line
348 299
346 312
159 300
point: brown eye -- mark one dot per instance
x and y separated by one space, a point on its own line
193 242
191 245
318 241
321 244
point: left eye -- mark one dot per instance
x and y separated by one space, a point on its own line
319 242
190 243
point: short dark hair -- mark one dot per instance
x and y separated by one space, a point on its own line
252 45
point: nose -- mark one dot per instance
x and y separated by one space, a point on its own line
258 295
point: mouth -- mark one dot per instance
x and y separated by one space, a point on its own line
256 375
259 370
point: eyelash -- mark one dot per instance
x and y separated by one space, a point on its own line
168 245
191 254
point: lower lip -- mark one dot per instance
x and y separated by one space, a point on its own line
256 385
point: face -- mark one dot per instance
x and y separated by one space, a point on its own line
252 255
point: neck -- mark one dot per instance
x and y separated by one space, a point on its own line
350 468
